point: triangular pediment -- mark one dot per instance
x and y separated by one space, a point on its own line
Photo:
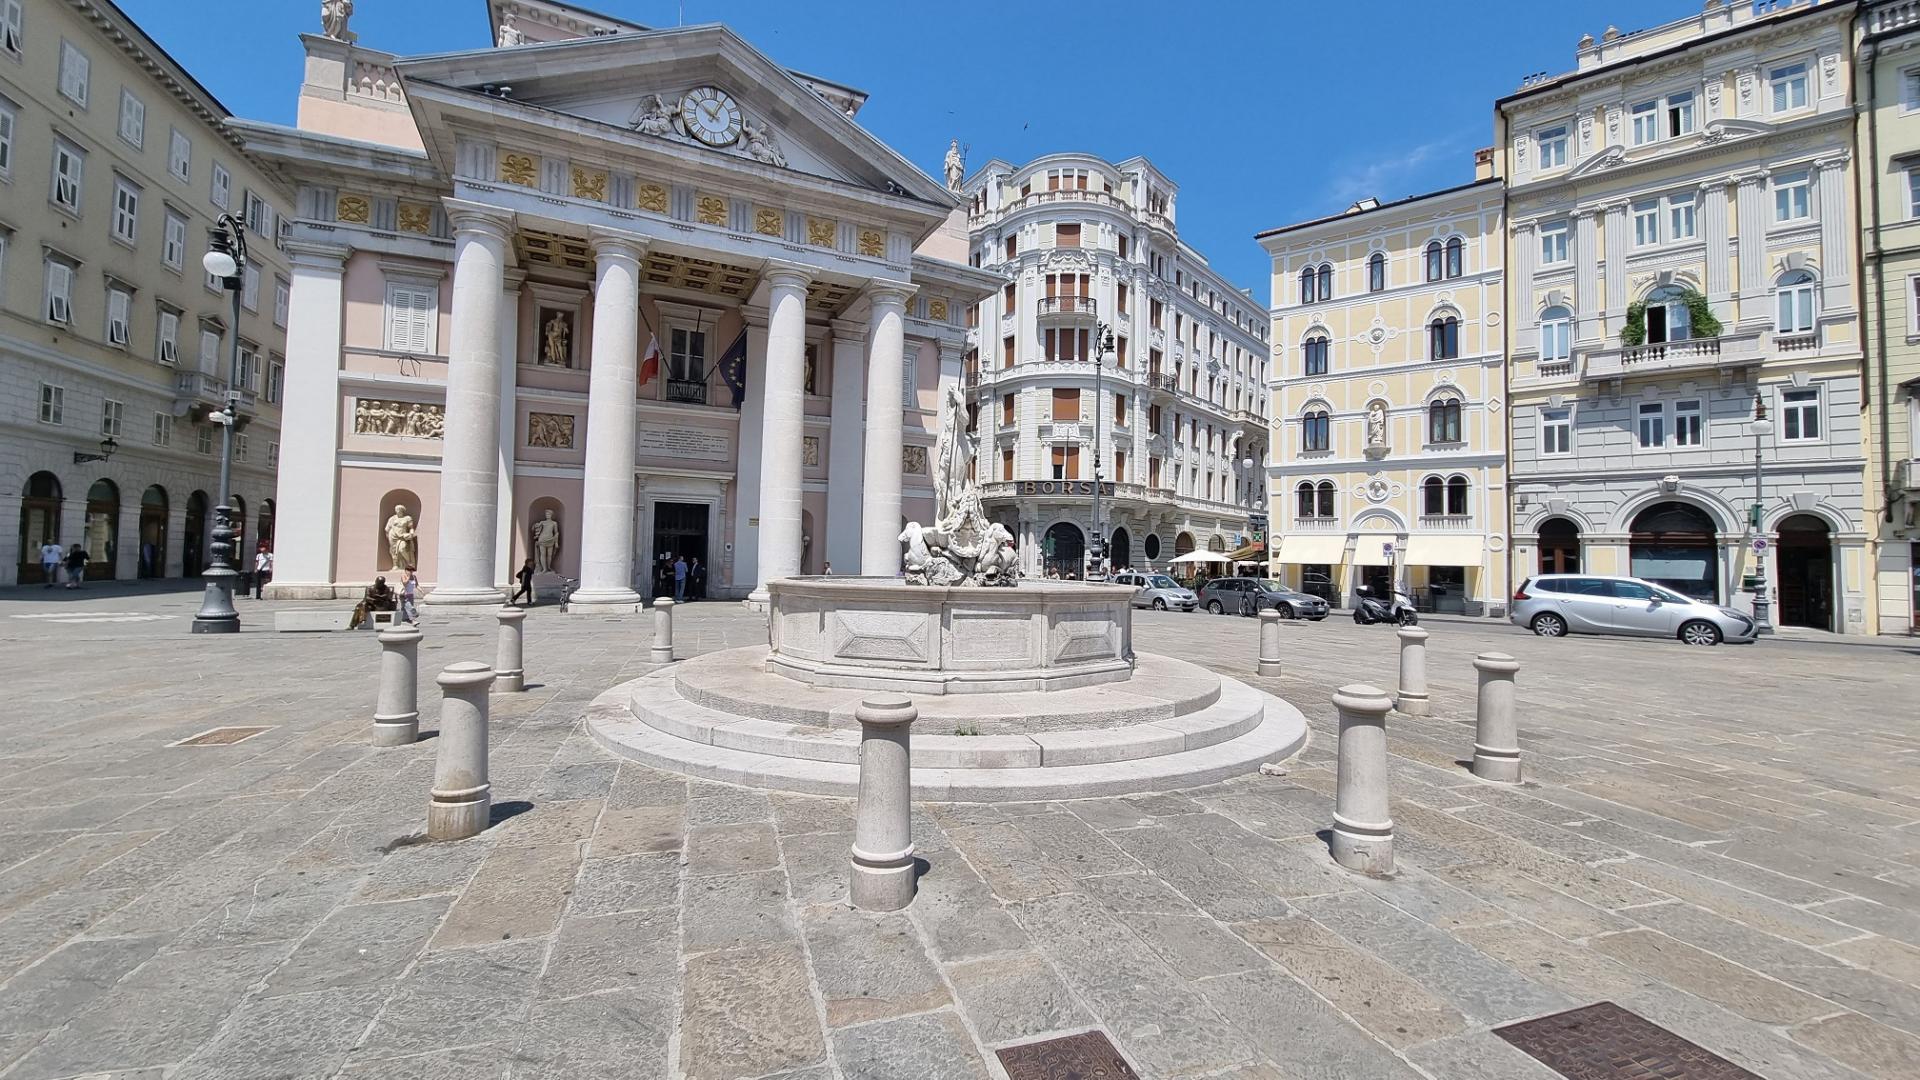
698 88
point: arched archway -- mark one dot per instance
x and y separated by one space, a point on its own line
39 524
193 539
1063 550
1806 572
153 532
1672 544
101 536
397 499
241 557
263 532
1182 544
1559 546
1217 543
1120 552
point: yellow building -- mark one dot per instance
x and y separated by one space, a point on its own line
1888 140
1388 462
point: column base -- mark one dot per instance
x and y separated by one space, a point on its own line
759 600
459 816
1499 766
1412 704
881 882
660 654
604 599
396 730
509 682
1269 668
445 597
1361 848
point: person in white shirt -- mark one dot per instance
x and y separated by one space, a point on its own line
50 556
262 569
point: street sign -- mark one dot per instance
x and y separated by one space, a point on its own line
1759 545
1386 549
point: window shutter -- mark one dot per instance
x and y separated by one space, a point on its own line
169 338
117 317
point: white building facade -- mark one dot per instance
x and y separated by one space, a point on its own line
1172 427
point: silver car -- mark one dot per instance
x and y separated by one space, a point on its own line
1558 604
1157 591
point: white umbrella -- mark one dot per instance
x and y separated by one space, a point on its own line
1201 557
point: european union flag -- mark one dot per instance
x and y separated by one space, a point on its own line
733 368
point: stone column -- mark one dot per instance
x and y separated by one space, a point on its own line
470 448
882 825
1752 215
309 477
880 551
177 539
783 426
1496 738
744 572
1362 826
1269 642
846 454
396 716
1713 227
503 542
662 652
606 518
1413 672
509 673
1615 280
462 798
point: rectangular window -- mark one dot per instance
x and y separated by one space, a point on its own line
1008 299
1652 428
73 73
1066 404
1316 432
1316 352
203 439
1913 194
7 120
1006 464
53 404
173 246
1646 223
276 380
10 18
59 307
1686 423
239 448
1679 114
281 295
1011 247
249 367
1006 410
1120 297
119 316
1910 89
1789 86
1553 243
1680 222
273 455
168 351
250 288
1793 197
1553 147
133 118
68 167
1119 410
180 155
162 429
1556 339
1646 122
259 215
1556 431
126 212
1006 352
687 361
1800 415
220 191
411 313
209 350
1066 236
111 415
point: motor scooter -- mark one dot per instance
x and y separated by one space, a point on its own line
1371 609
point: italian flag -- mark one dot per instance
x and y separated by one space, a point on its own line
650 362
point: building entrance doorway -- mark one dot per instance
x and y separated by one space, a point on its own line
193 539
1806 573
679 530
1063 551
1120 556
1672 544
153 532
1559 547
39 524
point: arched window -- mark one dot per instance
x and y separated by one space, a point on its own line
1434 263
1443 338
1303 499
1306 286
1556 333
1316 431
1794 302
1457 496
1326 281
1443 421
1455 249
1315 352
1325 493
1377 272
1433 492
1668 318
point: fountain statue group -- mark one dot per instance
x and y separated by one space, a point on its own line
961 547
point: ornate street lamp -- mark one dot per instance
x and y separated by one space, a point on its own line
1762 605
1102 344
226 259
107 446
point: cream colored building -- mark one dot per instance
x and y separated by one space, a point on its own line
114 163
1389 424
1888 141
1682 245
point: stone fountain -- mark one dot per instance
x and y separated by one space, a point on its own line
1026 689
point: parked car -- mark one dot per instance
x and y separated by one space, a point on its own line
1230 594
1157 591
1558 604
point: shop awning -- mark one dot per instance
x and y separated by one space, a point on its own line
1372 550
1468 551
1315 550
1254 552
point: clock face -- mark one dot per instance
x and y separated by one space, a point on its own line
711 115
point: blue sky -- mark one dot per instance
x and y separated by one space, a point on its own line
1264 113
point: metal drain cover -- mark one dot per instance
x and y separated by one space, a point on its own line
1086 1056
221 736
1606 1042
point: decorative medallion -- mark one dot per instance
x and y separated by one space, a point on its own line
1377 336
550 431
517 169
352 208
1377 388
405 419
1493 405
651 197
937 309
913 460
1378 490
415 217
711 210
820 232
872 243
767 222
589 184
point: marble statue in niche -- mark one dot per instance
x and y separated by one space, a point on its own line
1377 424
556 338
546 544
402 539
550 431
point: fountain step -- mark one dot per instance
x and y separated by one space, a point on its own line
736 682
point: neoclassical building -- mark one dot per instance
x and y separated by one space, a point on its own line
644 284
1176 411
115 346
1389 412
1682 249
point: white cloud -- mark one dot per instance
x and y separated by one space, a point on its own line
1398 176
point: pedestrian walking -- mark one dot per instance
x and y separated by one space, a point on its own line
409 592
51 555
696 579
262 569
680 579
525 578
76 566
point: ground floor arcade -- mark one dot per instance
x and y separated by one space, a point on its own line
1143 533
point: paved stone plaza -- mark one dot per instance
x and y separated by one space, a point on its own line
1726 842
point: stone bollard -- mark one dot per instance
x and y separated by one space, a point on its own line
882 828
1269 642
396 717
1362 827
509 676
1413 672
1496 737
462 799
662 632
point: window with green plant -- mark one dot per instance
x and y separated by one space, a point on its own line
1669 313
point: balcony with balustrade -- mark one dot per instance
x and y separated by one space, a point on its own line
1067 311
201 393
1729 352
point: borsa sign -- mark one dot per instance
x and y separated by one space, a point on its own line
1064 487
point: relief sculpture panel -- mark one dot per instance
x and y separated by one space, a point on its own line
406 419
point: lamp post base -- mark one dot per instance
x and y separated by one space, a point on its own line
217 614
